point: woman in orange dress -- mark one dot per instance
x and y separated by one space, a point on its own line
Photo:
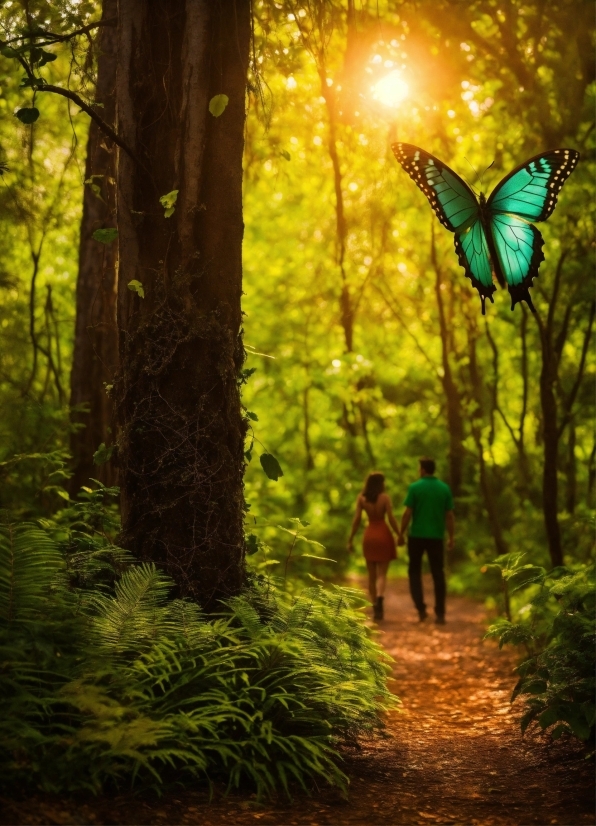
378 543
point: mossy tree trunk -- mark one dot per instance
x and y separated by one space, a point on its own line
95 354
181 428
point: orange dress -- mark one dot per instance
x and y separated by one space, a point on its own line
378 543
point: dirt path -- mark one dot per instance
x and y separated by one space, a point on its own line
454 755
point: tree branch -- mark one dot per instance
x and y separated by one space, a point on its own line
580 373
105 128
59 38
398 318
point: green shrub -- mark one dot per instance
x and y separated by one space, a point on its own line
558 629
105 679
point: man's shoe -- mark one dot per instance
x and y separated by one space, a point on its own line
440 620
422 615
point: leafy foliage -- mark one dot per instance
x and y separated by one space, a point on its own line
105 678
558 627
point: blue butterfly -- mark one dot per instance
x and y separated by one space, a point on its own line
494 235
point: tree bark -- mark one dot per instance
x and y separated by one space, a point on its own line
486 484
455 420
181 429
95 354
550 482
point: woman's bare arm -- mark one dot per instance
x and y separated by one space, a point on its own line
355 522
390 516
405 521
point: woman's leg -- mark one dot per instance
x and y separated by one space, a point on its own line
381 578
372 579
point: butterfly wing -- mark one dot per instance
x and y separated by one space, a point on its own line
453 201
529 193
518 247
531 190
472 251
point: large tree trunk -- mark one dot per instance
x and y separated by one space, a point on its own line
96 341
181 429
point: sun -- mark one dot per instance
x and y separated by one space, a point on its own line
391 89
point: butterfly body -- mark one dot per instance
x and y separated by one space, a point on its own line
494 236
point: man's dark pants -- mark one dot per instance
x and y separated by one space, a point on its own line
434 548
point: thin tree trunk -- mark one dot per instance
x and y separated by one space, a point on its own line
550 482
181 429
95 354
571 493
455 421
310 462
486 485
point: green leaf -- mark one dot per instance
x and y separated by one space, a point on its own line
548 717
252 416
271 466
252 544
246 374
45 57
168 202
103 454
32 82
28 114
557 731
285 154
320 558
105 236
217 105
136 287
8 51
534 687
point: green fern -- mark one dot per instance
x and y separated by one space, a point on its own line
105 678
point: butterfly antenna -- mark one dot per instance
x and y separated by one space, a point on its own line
491 164
472 187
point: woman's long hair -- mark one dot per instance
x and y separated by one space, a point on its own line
374 485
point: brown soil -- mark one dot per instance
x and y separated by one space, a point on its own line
454 754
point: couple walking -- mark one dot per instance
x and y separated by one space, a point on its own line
429 509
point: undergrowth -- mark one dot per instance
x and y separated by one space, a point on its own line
107 680
556 624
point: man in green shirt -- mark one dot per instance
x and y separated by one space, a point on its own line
429 504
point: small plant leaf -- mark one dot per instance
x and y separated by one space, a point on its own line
28 115
285 154
252 416
168 202
105 236
252 544
271 466
217 105
103 454
46 57
136 287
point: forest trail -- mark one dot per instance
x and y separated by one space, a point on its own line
454 754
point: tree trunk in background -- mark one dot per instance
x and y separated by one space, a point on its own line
571 494
455 420
550 482
486 482
95 354
181 429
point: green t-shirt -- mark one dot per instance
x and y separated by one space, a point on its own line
430 499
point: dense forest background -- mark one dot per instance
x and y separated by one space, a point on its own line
222 303
365 343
